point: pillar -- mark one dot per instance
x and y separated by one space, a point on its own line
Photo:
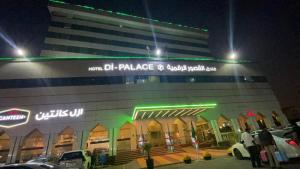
47 142
14 149
284 119
253 123
51 139
236 128
113 136
12 145
133 139
80 140
235 125
215 127
269 122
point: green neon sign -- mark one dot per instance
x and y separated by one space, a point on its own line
168 107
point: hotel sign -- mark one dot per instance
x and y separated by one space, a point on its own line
151 67
13 117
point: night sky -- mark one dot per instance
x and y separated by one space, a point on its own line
266 31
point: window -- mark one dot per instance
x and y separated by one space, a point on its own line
109 80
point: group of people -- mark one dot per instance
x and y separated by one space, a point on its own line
254 145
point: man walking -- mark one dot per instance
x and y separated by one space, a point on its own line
252 148
268 143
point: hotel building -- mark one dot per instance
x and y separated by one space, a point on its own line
108 81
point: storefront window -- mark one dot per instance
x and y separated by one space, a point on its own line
127 138
243 122
98 140
4 146
204 133
32 146
260 119
224 125
64 142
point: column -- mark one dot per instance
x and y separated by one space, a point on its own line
47 140
80 140
113 136
253 123
133 139
14 149
50 143
269 122
283 119
77 139
236 128
12 145
85 137
215 127
235 125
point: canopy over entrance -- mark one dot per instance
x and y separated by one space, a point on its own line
169 111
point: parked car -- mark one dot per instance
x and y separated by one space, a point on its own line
30 166
39 160
284 143
75 159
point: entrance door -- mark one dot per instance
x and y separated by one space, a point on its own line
155 134
204 133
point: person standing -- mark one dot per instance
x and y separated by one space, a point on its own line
252 148
268 143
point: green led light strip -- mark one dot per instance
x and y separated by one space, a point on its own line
60 58
168 107
128 15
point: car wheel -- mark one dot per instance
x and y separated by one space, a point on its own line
238 154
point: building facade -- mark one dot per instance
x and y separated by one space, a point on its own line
99 84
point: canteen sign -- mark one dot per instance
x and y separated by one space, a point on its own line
152 67
13 117
59 113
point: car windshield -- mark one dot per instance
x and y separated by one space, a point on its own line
72 155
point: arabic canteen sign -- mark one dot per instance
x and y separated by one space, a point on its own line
59 113
14 117
151 67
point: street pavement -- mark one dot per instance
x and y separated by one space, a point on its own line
225 162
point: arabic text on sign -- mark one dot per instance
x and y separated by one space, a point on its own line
59 113
152 67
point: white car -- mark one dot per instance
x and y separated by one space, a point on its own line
75 159
287 145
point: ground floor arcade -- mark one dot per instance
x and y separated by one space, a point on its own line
220 131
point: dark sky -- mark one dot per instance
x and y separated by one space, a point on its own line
266 31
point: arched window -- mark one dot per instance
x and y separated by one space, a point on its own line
32 146
127 138
98 139
260 119
64 142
